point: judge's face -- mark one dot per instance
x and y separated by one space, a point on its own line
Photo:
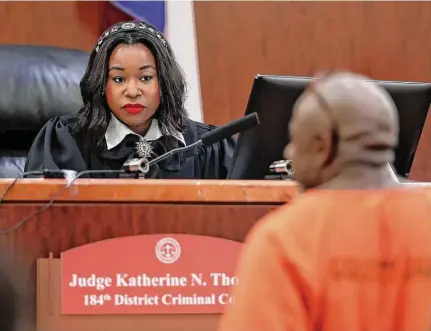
132 90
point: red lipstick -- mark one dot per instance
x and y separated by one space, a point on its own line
133 108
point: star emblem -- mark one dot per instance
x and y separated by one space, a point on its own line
144 149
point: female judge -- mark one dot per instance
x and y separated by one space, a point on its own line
133 92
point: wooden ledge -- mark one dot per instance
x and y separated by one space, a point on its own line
133 190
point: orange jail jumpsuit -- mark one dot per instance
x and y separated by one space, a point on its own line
337 261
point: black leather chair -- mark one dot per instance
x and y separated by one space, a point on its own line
36 84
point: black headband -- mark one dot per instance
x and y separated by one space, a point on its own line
130 26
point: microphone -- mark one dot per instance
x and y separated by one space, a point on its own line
207 139
225 131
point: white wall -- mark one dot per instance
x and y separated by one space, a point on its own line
180 31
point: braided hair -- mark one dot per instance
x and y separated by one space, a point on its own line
93 118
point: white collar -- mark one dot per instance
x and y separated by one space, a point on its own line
117 131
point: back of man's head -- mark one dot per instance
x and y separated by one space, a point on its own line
341 120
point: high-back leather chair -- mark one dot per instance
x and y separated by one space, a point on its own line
36 84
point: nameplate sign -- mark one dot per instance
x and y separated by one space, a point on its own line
149 274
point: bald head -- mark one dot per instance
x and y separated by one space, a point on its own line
359 108
346 118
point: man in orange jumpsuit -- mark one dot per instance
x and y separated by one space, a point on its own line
353 251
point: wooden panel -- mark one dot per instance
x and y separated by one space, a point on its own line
130 190
94 210
126 207
237 40
68 226
65 226
69 24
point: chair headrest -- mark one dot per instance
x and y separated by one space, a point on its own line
38 83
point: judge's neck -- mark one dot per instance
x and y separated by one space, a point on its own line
362 177
140 129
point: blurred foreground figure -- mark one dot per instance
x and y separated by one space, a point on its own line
15 297
353 251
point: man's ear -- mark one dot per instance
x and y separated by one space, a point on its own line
323 147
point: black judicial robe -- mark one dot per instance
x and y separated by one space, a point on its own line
56 148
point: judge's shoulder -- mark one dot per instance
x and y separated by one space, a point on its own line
65 120
198 127
65 123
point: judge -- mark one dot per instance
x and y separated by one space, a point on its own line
352 252
133 92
